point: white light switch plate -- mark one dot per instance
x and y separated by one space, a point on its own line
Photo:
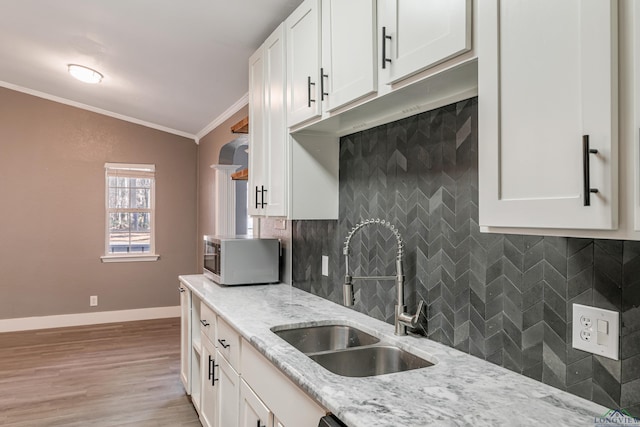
325 265
596 330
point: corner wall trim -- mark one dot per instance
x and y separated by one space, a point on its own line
81 319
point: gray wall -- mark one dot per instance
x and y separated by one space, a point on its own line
504 298
52 221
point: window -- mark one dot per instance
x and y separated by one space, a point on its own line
130 212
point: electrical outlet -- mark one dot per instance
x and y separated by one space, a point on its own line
596 330
93 300
325 265
586 321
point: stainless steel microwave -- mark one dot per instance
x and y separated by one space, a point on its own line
241 260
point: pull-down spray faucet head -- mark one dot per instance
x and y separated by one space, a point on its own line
349 298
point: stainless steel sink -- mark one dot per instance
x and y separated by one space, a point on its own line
348 351
369 361
314 339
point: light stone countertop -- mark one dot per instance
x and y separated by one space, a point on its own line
459 390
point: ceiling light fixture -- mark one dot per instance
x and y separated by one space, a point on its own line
85 74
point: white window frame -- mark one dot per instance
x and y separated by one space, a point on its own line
130 257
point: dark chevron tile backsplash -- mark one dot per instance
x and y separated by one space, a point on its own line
504 298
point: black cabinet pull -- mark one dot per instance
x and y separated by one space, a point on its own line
263 203
257 191
204 322
224 344
181 289
309 84
586 170
258 424
385 37
212 373
322 77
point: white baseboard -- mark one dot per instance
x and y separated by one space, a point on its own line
80 319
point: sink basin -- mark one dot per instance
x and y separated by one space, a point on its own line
314 339
369 361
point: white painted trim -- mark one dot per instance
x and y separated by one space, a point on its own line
222 117
131 166
129 258
96 110
225 198
80 319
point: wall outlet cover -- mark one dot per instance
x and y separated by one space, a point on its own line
596 330
325 265
93 300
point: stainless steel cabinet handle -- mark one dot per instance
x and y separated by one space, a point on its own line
586 151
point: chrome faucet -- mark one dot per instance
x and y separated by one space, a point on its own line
402 319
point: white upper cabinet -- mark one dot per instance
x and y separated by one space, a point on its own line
268 138
548 114
303 63
257 143
417 34
349 60
634 32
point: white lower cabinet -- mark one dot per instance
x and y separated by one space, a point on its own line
253 412
231 384
289 405
228 393
185 337
209 394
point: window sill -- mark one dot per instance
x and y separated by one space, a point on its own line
129 258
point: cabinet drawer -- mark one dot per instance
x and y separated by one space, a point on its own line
288 402
207 322
228 344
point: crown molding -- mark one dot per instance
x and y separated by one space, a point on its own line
82 106
242 102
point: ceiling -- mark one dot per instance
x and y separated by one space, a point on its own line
175 65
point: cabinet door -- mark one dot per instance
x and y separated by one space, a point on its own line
349 60
185 337
228 393
303 62
635 11
547 83
209 395
419 34
257 137
253 412
277 155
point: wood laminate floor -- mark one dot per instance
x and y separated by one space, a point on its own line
118 374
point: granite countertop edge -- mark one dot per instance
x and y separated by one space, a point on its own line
459 390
